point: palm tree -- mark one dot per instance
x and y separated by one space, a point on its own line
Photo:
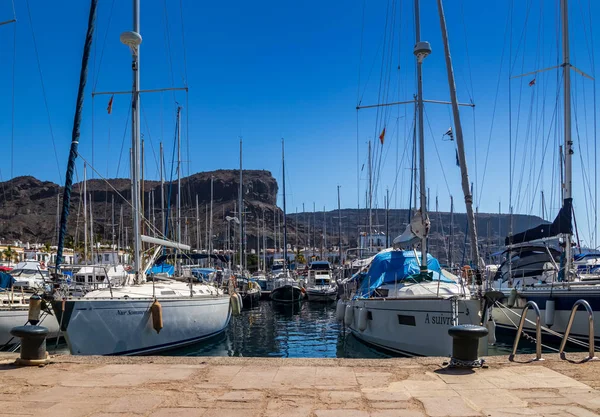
300 259
9 254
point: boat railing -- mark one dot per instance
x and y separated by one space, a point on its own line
538 332
586 305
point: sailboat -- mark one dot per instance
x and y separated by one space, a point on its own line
557 284
285 288
405 302
141 316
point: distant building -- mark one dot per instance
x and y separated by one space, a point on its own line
106 256
34 252
375 241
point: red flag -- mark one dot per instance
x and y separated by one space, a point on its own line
382 136
109 108
532 83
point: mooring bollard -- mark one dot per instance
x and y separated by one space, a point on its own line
33 345
465 345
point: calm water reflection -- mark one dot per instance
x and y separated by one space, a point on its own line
306 330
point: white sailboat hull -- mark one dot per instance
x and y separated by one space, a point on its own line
124 326
507 319
413 326
11 317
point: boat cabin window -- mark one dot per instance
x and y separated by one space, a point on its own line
167 292
321 281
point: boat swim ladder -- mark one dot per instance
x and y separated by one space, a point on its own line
538 331
586 305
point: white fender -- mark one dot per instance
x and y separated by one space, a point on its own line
348 314
491 326
549 313
236 304
512 297
339 310
362 319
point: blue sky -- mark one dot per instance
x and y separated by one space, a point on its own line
266 70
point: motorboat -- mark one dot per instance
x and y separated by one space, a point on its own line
30 275
90 277
320 285
14 311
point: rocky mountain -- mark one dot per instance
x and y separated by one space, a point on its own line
28 212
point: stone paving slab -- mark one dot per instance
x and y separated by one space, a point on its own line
256 387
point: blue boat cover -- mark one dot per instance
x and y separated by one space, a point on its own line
163 268
202 272
6 281
396 266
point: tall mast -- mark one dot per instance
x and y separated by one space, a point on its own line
162 191
198 224
413 181
306 230
142 192
568 184
314 222
324 240
152 212
58 217
370 203
499 224
133 39
85 214
284 209
264 236
258 242
210 229
451 242
179 174
241 210
422 49
91 231
460 142
113 221
339 226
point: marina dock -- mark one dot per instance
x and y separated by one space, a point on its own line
156 386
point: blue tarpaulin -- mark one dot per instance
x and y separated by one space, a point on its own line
394 267
163 268
6 280
202 273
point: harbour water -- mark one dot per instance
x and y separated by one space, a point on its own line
307 330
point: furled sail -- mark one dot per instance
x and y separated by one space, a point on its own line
561 225
76 133
417 229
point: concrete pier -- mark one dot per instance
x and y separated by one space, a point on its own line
251 387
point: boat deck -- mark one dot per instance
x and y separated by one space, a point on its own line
252 387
